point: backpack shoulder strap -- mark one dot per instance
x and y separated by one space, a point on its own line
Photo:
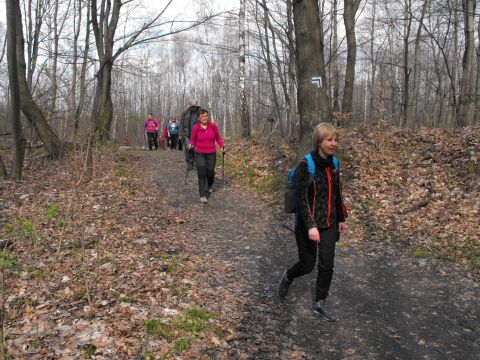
336 163
310 164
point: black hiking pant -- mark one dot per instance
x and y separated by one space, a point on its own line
307 253
206 171
173 141
152 138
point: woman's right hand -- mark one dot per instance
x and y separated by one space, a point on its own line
314 235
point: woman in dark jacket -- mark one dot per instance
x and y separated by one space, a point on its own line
321 217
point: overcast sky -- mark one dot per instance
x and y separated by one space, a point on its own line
177 8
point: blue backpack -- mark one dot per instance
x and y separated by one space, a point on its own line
291 194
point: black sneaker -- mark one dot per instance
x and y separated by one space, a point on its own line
284 286
320 307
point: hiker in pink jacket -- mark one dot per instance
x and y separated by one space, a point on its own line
151 127
204 135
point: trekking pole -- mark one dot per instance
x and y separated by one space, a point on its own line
145 139
189 164
223 165
186 174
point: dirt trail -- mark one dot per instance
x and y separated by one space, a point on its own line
389 305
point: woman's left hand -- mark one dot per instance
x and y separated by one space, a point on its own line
342 227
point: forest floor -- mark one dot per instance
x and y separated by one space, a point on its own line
132 265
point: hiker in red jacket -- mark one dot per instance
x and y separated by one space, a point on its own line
204 135
164 136
321 219
151 127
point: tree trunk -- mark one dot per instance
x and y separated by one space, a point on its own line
476 118
33 113
77 21
244 114
281 77
104 39
53 71
83 74
412 114
33 41
3 169
102 105
13 7
292 71
466 85
407 26
268 61
350 10
313 103
373 59
335 76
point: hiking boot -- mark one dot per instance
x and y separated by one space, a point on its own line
320 307
203 200
210 190
284 286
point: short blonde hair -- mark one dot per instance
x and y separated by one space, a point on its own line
321 132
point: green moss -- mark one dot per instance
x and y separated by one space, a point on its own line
158 328
169 263
421 253
37 273
6 260
125 298
266 184
8 228
182 344
120 171
191 325
121 156
180 291
197 313
90 350
475 261
52 211
147 355
473 168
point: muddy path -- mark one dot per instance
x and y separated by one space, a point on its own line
389 305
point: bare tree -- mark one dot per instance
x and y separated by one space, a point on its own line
407 27
83 71
244 113
476 117
333 64
349 13
265 45
34 22
313 103
412 114
31 110
104 24
465 100
14 108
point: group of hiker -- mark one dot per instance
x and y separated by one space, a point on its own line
198 136
170 133
315 187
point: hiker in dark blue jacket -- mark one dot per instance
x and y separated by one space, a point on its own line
188 119
321 217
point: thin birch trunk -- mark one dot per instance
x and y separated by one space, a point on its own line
244 114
